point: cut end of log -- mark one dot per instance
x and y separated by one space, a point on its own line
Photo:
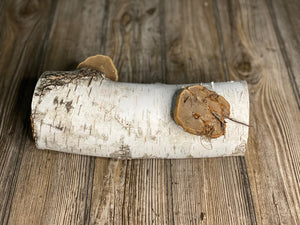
201 111
102 64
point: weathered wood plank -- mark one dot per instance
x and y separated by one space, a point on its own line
192 48
20 48
208 191
55 188
136 195
286 23
135 191
133 40
272 158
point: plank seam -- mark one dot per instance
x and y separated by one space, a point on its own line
162 28
46 39
91 174
283 51
248 190
47 191
104 26
220 41
167 191
171 190
124 193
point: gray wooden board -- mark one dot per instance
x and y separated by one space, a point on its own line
153 41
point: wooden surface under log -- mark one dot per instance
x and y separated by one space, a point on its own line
154 41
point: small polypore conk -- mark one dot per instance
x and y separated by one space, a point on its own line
101 63
201 111
86 112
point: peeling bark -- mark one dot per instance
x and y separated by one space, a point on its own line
83 112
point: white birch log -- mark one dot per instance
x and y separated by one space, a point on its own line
83 112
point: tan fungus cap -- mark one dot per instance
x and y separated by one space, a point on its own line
101 63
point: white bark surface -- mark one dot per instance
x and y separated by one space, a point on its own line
91 115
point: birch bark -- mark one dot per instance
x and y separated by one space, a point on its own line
83 112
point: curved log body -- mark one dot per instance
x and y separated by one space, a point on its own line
83 112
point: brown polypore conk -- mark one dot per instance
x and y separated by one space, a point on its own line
201 111
101 63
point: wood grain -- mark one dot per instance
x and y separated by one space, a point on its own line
154 41
253 53
202 188
134 40
286 23
20 48
192 48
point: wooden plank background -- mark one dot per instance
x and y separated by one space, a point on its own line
154 41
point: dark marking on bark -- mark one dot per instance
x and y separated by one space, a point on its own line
55 101
90 81
58 127
101 81
123 153
69 106
90 92
51 79
42 121
79 112
68 93
75 87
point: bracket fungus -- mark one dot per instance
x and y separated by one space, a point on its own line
101 63
201 111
